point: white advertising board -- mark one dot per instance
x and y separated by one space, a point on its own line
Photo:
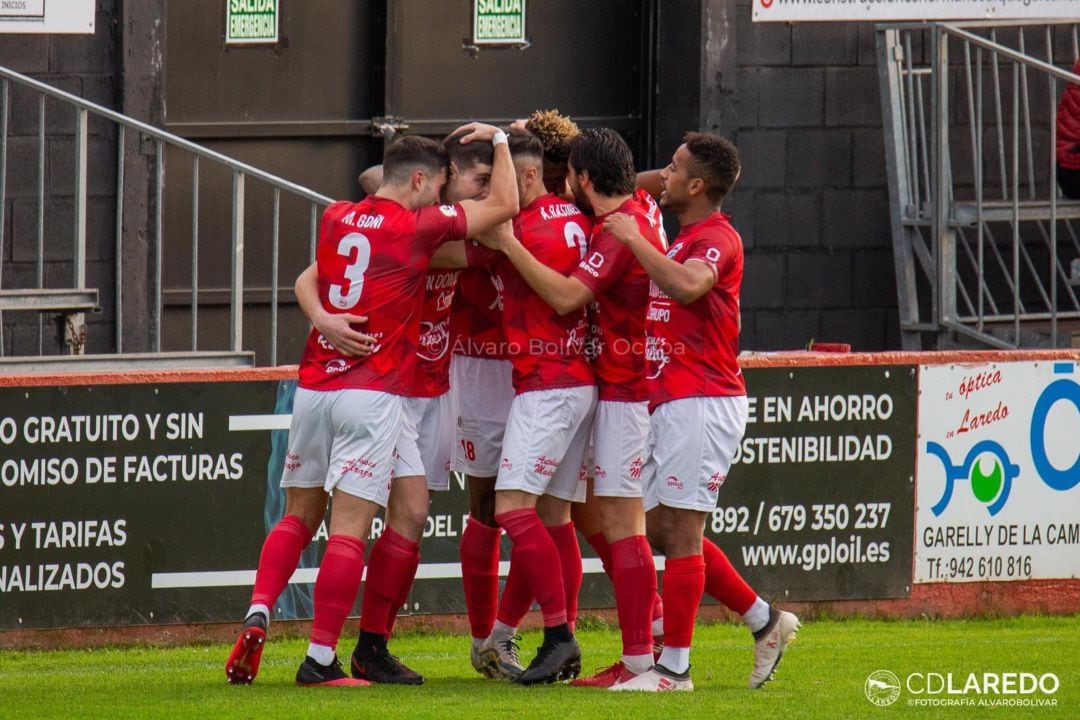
881 10
47 16
998 472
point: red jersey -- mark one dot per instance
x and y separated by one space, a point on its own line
621 287
432 376
476 317
692 349
372 257
546 349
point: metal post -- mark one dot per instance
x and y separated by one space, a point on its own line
194 253
3 187
118 264
275 260
159 240
944 250
236 320
41 217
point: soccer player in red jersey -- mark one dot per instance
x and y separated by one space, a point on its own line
422 455
698 406
372 257
547 430
601 176
480 541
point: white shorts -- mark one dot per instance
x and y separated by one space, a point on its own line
426 440
545 442
343 440
689 450
483 391
618 436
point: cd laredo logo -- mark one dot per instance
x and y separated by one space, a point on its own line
987 465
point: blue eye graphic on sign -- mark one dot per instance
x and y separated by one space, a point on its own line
987 466
991 488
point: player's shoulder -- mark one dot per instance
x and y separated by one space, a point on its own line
716 227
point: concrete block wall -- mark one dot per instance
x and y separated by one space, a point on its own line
812 205
87 66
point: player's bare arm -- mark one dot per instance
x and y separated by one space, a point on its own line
650 182
449 256
563 294
335 327
501 204
684 283
371 179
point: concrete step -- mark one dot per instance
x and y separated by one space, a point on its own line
126 362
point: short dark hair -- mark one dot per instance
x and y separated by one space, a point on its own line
523 144
468 155
409 153
607 158
715 160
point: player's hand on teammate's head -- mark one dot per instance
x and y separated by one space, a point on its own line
622 226
520 124
338 330
477 131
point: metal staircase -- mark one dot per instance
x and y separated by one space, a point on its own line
982 240
57 286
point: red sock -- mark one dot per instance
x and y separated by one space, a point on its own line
406 588
390 569
336 586
724 582
565 539
684 583
603 551
635 591
280 556
479 550
516 597
539 559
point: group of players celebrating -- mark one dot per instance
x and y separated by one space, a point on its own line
505 304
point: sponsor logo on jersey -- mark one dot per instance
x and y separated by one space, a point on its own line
674 482
448 210
292 461
336 365
506 464
593 264
635 468
434 340
674 250
716 481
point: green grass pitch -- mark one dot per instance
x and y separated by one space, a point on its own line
822 676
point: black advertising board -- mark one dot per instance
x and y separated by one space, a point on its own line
148 503
111 493
819 503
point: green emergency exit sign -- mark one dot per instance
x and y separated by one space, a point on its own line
251 21
498 22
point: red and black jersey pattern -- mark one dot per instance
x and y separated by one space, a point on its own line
432 376
372 258
621 287
476 316
546 349
692 349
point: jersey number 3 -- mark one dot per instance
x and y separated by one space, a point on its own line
354 271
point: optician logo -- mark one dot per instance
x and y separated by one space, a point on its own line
987 466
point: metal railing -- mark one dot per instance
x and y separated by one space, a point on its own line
982 241
132 139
